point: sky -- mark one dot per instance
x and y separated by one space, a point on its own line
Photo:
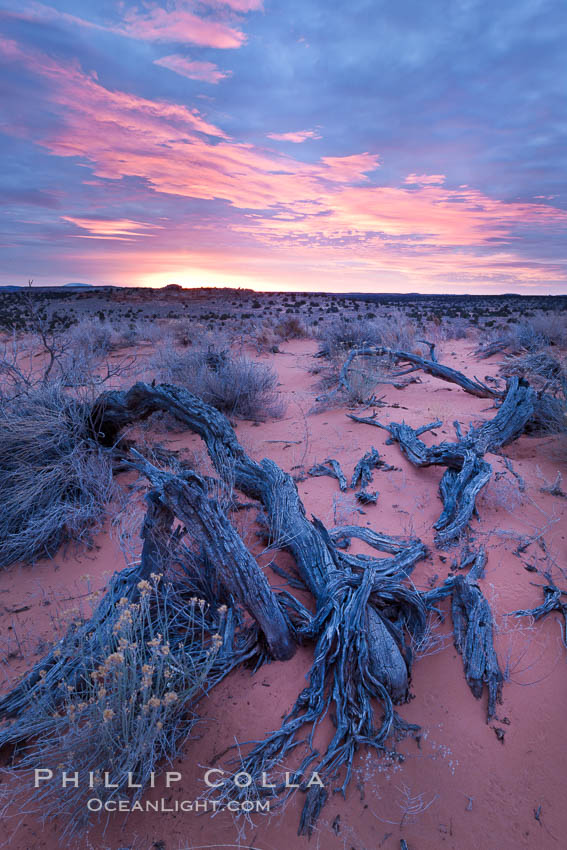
362 146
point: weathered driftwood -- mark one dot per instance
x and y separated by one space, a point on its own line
486 350
362 475
548 414
430 367
345 627
358 656
406 552
186 497
367 498
552 601
84 646
156 534
458 491
330 467
363 610
364 615
467 472
400 566
473 631
342 534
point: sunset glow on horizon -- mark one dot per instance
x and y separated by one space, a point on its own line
298 145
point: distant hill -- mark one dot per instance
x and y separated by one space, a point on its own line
16 288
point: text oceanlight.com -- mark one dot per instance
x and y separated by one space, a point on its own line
95 804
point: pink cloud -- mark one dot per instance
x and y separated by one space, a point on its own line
426 179
327 214
180 25
207 72
295 137
349 169
177 24
120 229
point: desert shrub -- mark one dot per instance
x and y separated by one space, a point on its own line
529 335
552 328
341 335
90 339
363 377
54 479
550 416
235 385
291 328
131 704
265 339
541 365
393 331
526 336
126 334
457 328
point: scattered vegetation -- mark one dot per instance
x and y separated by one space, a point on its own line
235 385
340 335
119 691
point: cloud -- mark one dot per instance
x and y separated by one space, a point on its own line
177 24
180 25
207 72
425 179
237 5
340 214
119 229
296 137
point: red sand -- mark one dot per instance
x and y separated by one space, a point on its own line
460 787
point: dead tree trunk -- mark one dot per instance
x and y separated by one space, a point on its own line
473 632
467 471
357 652
431 367
186 498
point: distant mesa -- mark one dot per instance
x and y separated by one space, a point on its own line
77 285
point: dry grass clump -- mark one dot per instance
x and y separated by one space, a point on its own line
235 385
394 331
91 337
535 350
82 353
128 708
527 336
266 339
546 370
454 328
542 367
55 480
337 337
363 378
291 327
539 332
